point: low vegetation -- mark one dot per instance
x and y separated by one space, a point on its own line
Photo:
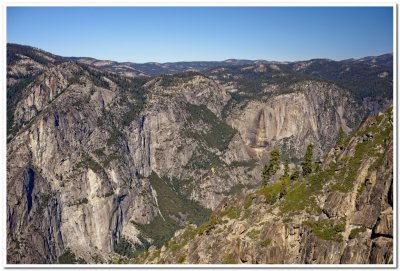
218 136
203 158
68 257
177 79
124 248
379 132
274 191
134 98
327 229
253 234
354 232
87 162
172 206
229 259
231 212
265 243
14 95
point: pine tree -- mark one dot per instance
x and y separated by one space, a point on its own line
295 175
286 172
307 162
265 176
271 167
340 136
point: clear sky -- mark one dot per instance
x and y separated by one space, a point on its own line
162 34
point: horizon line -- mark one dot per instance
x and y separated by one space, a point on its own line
188 61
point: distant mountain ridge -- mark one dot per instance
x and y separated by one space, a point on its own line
163 68
133 69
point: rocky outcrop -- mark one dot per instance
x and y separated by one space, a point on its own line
85 202
327 218
47 87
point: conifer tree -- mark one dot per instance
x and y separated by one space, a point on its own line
340 136
271 167
307 162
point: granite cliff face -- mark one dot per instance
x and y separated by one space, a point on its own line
347 217
312 112
99 163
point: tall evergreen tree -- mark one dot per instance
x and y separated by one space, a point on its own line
286 164
271 167
265 176
340 136
295 175
307 162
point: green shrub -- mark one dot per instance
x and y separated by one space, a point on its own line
229 259
97 259
44 200
327 229
182 258
220 134
106 161
14 95
124 248
204 159
248 201
253 234
296 199
210 224
189 234
274 191
109 194
265 243
68 257
155 255
354 232
231 212
295 175
287 220
99 152
174 246
115 136
88 162
237 189
80 202
340 136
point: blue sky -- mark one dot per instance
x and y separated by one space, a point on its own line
163 34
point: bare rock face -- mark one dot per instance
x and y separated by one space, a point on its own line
313 112
52 82
304 226
60 184
334 206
